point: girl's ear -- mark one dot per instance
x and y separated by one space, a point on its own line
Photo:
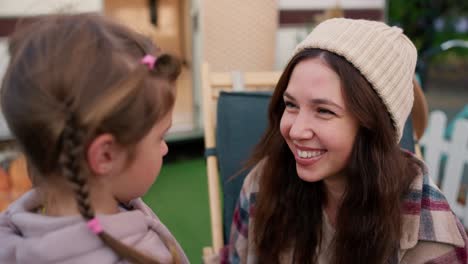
104 155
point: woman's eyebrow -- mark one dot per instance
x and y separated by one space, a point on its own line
325 102
315 100
286 94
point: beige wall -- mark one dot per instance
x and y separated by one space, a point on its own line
240 34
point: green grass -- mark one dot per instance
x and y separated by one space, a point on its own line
180 199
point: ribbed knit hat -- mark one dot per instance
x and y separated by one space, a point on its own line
383 55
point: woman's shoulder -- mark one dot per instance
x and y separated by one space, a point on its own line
442 243
252 179
430 228
433 252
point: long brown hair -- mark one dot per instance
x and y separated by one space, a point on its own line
72 78
289 212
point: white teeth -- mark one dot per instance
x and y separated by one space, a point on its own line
309 154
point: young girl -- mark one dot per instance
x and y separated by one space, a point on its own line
89 102
331 184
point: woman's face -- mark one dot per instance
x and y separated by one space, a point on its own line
316 125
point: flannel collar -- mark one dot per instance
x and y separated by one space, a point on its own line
426 213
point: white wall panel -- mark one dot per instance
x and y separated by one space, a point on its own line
323 4
15 8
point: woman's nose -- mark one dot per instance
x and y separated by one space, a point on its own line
301 128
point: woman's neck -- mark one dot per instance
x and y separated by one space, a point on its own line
61 201
335 188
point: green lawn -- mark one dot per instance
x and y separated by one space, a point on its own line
180 199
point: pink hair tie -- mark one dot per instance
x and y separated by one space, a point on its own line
149 60
95 226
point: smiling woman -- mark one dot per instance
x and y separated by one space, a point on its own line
330 174
316 125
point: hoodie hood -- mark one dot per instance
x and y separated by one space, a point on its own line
29 237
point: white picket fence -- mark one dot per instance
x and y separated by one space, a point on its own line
455 150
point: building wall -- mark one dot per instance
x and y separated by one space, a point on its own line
239 35
324 4
15 8
298 17
11 11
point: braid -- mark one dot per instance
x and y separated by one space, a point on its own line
69 163
70 159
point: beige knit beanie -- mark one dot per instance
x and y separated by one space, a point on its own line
383 55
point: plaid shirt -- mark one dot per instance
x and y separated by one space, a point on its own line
431 232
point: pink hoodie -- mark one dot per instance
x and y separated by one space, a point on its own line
29 237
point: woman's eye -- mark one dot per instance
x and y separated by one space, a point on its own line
289 104
325 111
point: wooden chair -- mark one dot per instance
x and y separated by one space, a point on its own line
212 84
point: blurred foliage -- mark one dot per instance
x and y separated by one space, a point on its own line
431 22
